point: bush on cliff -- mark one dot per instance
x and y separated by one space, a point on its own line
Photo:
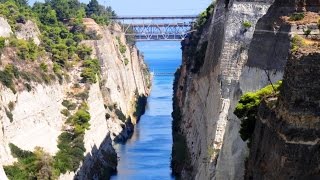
91 70
98 12
297 42
296 16
2 43
247 108
204 17
30 165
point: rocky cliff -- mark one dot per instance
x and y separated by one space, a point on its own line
243 47
34 114
285 141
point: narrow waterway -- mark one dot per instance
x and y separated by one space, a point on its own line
147 154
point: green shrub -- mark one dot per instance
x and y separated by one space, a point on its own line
11 106
69 105
84 52
19 153
28 87
247 108
122 47
44 67
80 121
27 50
126 61
107 116
90 70
71 152
296 17
70 144
7 76
113 106
83 95
307 32
2 43
247 24
9 115
297 42
65 112
26 166
93 35
204 17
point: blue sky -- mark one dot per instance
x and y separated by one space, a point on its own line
159 7
150 7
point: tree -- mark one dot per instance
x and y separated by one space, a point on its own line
18 2
45 13
66 9
93 7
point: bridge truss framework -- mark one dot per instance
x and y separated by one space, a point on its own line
157 28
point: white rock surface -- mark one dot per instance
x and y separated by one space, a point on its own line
5 29
37 120
27 31
2 174
98 124
120 80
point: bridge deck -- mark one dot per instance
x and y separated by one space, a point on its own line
153 17
157 28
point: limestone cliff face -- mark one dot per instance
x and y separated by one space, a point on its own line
5 28
285 143
33 118
238 59
124 73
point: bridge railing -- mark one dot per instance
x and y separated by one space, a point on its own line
157 27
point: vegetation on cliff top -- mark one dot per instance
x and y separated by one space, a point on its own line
62 31
247 108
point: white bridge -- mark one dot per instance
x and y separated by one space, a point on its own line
157 28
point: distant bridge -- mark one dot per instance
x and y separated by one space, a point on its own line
157 28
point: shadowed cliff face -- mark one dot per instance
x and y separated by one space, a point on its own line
237 60
286 137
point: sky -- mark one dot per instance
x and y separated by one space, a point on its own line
159 7
151 7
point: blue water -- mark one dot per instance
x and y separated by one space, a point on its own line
147 154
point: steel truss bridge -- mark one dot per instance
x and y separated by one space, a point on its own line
157 28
